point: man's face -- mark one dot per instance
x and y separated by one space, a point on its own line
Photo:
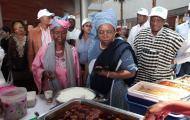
156 23
141 19
46 20
72 23
106 33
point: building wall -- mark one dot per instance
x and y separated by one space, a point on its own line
26 10
130 7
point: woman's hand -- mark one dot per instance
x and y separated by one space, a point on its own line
104 73
157 112
47 75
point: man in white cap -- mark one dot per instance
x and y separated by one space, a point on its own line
73 33
184 52
142 23
156 47
39 35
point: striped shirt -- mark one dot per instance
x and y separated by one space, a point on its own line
155 53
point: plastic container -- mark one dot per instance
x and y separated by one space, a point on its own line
31 99
141 109
138 101
14 103
155 92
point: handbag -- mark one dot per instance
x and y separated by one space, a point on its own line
10 78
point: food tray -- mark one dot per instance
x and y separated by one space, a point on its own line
184 79
155 92
175 84
60 110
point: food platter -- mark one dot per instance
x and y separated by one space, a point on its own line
75 92
156 92
87 108
175 84
184 79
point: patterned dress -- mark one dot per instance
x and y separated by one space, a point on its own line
155 54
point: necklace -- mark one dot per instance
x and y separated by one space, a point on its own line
59 51
20 44
101 47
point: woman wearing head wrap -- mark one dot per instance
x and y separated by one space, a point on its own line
56 65
114 60
83 48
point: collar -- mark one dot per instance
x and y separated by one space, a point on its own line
159 32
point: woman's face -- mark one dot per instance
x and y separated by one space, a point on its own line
87 27
106 33
19 29
59 34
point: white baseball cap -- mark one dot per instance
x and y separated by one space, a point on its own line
44 12
71 17
142 11
85 20
159 11
189 7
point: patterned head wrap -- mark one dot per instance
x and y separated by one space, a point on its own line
58 21
107 16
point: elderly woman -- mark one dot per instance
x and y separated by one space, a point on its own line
17 57
56 65
83 48
114 60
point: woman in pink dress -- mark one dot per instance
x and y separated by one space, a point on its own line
56 65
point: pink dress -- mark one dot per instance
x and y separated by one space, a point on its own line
60 69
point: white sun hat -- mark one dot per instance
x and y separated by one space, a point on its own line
142 11
44 12
71 17
159 11
86 20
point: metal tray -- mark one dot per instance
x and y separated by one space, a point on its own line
54 113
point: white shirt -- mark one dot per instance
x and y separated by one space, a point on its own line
74 35
183 54
134 31
46 36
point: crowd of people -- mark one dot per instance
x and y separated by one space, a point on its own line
56 55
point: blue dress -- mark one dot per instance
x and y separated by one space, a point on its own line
118 88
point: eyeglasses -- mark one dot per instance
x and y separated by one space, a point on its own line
108 32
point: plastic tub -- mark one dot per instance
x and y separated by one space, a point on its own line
14 103
139 106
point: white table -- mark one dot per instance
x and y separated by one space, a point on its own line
41 107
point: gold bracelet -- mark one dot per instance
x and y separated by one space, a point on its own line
108 74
